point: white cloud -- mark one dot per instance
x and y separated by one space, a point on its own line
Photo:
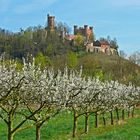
33 5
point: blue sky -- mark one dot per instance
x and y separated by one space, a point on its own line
120 18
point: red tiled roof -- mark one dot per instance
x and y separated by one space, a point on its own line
104 42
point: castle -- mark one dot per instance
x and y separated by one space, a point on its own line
98 46
86 32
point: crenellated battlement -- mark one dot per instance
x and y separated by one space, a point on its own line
86 31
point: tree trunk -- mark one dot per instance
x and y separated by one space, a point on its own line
117 114
38 127
96 120
104 120
133 111
9 124
111 117
128 113
10 134
86 123
123 114
74 124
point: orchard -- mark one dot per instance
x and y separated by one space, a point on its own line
33 96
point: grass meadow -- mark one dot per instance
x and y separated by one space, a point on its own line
60 128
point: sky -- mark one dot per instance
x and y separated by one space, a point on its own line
119 19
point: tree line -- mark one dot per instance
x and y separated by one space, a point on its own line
38 39
33 40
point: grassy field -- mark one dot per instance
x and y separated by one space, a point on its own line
60 128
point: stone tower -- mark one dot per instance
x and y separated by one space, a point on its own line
51 23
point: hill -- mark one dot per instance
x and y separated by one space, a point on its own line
106 67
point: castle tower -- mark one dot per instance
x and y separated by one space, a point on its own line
75 29
51 23
86 29
91 36
86 32
91 28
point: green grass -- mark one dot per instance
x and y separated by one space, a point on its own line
60 128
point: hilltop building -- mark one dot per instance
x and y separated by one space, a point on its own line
51 27
101 46
86 32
